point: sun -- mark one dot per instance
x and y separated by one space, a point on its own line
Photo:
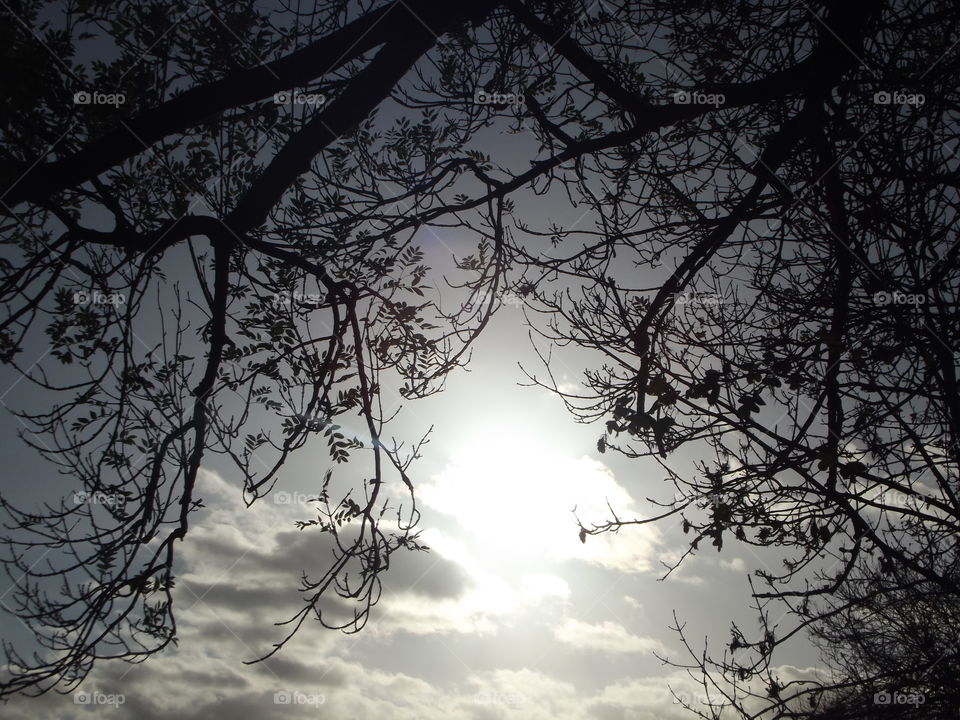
514 492
505 508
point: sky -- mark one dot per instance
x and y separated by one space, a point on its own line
509 614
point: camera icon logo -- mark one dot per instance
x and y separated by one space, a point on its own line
82 97
281 98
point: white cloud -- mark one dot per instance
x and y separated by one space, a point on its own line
649 698
188 685
736 564
241 575
607 636
681 572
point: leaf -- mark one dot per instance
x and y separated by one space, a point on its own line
825 457
663 424
718 540
658 386
749 404
852 469
583 535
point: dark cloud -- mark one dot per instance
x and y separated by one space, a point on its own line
227 707
242 598
255 636
292 670
209 679
422 573
426 574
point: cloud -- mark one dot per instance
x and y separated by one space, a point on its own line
521 693
649 698
426 574
241 569
736 564
245 564
607 636
681 570
567 387
207 682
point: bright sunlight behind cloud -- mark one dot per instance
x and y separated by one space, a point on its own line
514 496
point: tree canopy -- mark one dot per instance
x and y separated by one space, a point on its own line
210 219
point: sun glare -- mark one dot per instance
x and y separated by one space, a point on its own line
513 493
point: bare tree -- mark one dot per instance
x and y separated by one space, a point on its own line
775 154
307 292
892 638
801 341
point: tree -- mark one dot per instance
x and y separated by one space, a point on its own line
775 153
893 637
804 337
306 292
